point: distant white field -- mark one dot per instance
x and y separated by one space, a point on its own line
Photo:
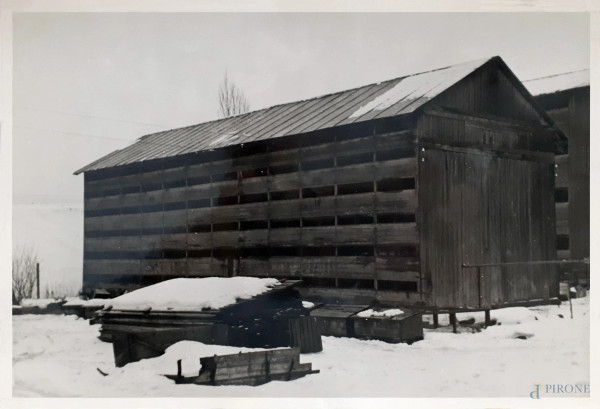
55 232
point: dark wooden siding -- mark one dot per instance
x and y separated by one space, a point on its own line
570 110
579 173
339 210
488 91
491 205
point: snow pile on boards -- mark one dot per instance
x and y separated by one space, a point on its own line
387 313
193 294
42 303
94 302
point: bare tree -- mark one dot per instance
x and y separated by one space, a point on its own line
232 100
23 273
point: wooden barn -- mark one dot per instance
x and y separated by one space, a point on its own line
405 192
566 99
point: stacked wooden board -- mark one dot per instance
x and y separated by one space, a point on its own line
264 321
252 368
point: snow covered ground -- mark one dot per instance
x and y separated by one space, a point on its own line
59 356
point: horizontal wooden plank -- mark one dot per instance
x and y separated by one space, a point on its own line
562 226
151 242
359 296
109 202
171 218
196 192
404 140
286 237
252 238
93 223
229 239
207 267
486 150
174 241
405 233
360 234
111 267
102 244
276 355
388 275
163 267
562 211
397 263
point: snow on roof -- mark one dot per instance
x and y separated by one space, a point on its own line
424 85
193 294
558 82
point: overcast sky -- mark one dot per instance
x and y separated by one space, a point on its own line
86 84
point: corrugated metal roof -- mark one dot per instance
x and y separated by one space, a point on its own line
385 99
558 82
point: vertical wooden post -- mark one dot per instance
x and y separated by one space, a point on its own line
569 296
37 279
179 368
435 321
479 280
488 320
453 322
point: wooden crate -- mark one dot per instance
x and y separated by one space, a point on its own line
407 327
335 319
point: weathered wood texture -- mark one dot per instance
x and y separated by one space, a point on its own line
250 368
305 334
489 91
336 320
174 221
407 327
483 208
570 110
354 210
579 174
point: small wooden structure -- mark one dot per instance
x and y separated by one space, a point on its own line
305 334
345 321
250 368
407 327
85 309
272 319
380 193
336 320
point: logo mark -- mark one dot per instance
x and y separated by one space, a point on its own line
535 394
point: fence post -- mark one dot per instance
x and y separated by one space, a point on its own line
37 279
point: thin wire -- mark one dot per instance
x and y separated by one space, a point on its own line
90 116
101 137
